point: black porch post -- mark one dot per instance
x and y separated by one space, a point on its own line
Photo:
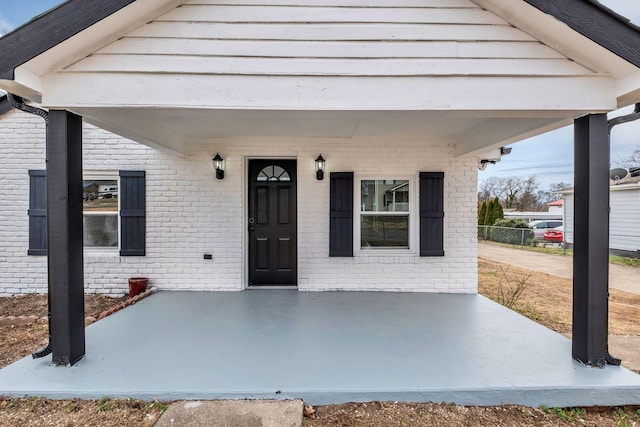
591 240
64 236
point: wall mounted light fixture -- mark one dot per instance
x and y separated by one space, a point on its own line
320 167
218 164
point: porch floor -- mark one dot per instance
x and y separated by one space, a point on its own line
327 347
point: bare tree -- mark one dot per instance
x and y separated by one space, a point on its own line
629 161
558 186
490 188
520 193
528 200
511 187
551 195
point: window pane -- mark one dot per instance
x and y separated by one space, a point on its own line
100 196
273 173
384 195
384 231
101 230
100 206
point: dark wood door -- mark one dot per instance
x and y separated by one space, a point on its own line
272 223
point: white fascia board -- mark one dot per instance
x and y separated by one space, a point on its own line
623 187
15 88
29 80
559 36
629 90
93 38
455 93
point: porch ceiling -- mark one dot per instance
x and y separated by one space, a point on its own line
472 132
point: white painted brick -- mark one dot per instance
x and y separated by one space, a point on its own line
190 213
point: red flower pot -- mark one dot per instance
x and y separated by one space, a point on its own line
137 285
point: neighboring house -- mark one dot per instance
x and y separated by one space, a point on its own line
554 212
556 207
624 226
402 99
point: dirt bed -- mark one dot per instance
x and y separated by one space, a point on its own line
36 305
17 342
36 412
391 414
547 299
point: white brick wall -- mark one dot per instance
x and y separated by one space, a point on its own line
190 213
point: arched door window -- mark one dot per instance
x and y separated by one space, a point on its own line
273 173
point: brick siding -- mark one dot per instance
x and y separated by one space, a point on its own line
190 213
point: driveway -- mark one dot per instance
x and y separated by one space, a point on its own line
620 277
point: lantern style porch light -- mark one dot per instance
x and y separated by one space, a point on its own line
320 162
218 164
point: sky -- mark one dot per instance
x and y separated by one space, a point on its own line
548 157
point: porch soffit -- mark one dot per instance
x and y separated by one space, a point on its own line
471 132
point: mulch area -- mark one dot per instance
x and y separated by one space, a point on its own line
18 341
36 305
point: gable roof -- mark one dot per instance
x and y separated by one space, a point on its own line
51 28
587 17
598 23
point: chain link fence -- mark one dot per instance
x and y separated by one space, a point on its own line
512 236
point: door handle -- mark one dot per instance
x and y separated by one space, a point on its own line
251 222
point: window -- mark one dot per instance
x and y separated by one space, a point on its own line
273 173
100 213
343 207
384 214
114 212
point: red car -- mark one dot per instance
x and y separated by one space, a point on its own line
554 235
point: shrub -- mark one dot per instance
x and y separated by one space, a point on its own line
482 212
512 231
493 212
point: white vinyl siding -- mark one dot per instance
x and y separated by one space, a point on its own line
624 231
624 222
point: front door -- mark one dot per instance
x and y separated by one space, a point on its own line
272 223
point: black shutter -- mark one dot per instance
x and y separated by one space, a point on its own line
37 212
132 213
431 213
341 209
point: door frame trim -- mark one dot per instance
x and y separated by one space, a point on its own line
245 221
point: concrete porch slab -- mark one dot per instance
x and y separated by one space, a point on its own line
329 347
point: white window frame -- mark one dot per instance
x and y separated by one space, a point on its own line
412 213
89 175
